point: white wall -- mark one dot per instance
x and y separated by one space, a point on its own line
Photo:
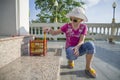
7 17
14 17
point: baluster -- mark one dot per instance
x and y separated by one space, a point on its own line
38 30
117 31
110 30
88 29
96 30
107 30
55 28
92 30
104 31
35 31
100 31
31 30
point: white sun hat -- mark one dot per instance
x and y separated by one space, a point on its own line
77 12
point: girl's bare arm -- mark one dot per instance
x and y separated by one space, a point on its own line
76 48
55 32
81 41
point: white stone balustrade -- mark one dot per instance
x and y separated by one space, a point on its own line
95 30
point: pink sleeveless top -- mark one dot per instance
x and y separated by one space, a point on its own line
72 35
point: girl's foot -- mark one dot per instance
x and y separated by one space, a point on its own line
91 73
71 64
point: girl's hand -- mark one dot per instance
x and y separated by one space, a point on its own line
46 29
76 51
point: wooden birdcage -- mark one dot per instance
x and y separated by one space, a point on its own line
38 47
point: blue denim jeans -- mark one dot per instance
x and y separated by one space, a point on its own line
86 48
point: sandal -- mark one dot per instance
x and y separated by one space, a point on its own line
91 73
71 64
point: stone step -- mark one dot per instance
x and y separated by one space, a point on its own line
32 68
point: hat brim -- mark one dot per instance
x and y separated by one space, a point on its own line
82 16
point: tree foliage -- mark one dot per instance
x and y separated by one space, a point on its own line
48 11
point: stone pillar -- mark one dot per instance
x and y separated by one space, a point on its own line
23 17
111 38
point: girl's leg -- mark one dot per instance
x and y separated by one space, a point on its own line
89 49
89 70
71 57
88 61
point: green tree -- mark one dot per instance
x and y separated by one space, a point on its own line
48 11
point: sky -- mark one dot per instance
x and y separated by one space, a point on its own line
97 11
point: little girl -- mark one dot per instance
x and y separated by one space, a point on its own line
75 33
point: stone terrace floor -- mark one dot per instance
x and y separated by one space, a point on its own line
106 62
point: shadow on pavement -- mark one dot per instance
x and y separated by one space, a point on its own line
78 73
